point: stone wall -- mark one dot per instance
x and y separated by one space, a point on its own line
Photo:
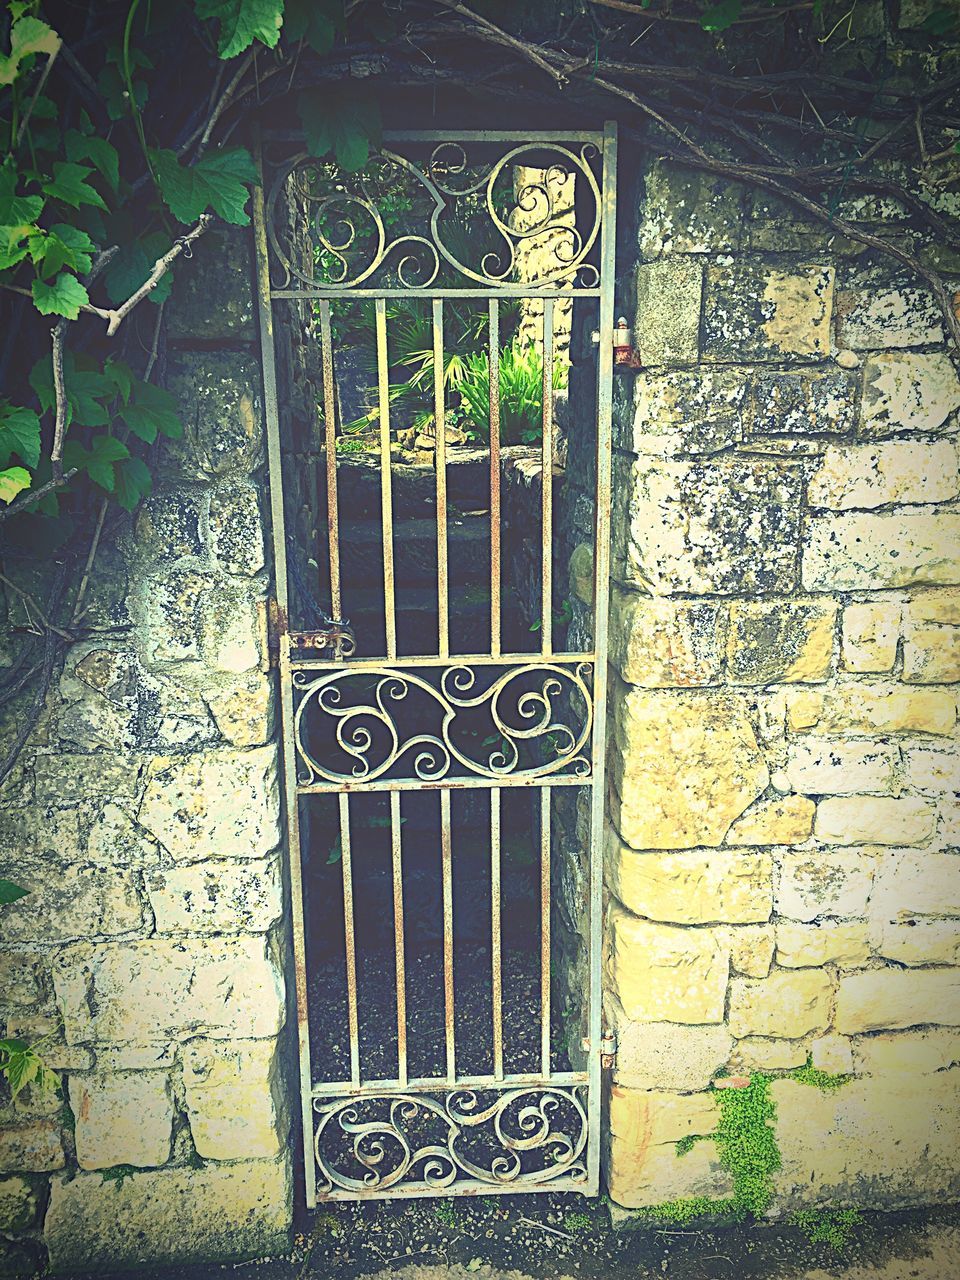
148 954
782 865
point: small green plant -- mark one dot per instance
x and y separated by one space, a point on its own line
682 1212
577 1223
809 1074
445 1213
118 1174
22 1064
827 1226
521 393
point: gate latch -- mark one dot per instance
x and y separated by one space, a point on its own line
334 639
624 355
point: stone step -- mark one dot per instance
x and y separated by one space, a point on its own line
415 550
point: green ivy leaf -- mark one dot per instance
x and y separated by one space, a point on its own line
152 411
722 15
61 246
129 268
19 434
345 122
12 247
63 297
27 36
99 461
69 184
16 210
133 482
88 391
13 481
218 182
113 88
101 154
242 22
10 892
121 376
315 21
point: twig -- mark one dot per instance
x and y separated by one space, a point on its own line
60 395
542 1226
746 15
34 495
160 269
491 31
88 566
44 74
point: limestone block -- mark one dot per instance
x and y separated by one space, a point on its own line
885 999
175 1215
874 319
919 942
908 391
31 1148
683 411
657 642
220 406
824 884
699 886
873 550
873 475
684 211
949 822
869 636
215 897
782 1005
228 629
170 606
101 702
65 778
914 1053
874 709
756 312
684 767
833 1054
19 983
244 713
114 840
877 1146
803 708
663 1055
773 641
874 820
808 402
643 1166
916 884
19 1203
212 296
760 1053
785 821
662 974
122 1118
931 655
831 766
234 1095
751 948
149 990
67 902
236 530
809 946
927 769
940 604
668 311
729 526
220 802
168 525
581 573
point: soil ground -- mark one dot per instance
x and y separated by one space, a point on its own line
539 1238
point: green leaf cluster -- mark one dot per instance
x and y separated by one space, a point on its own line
22 1066
827 1226
825 1080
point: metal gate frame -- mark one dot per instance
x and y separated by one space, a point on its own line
323 1104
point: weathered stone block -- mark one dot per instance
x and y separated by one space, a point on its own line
872 551
926 769
215 897
170 608
885 999
67 902
751 948
148 990
218 803
874 820
774 641
168 526
810 946
236 531
667 329
245 714
916 884
931 655
683 411
937 605
785 821
914 1053
874 475
833 1054
217 1213
19 983
663 643
684 767
869 636
19 1204
784 1005
228 629
65 779
99 687
663 1055
874 319
755 312
114 840
908 391
661 974
122 1118
684 211
919 942
234 1098
870 709
824 884
212 296
825 766
699 886
759 1053
220 406
31 1148
801 404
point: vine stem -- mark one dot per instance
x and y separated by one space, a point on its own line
160 269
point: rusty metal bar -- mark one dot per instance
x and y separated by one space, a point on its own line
545 930
495 575
349 938
330 439
456 783
546 486
446 852
501 291
386 480
443 586
496 958
433 660
424 1084
398 936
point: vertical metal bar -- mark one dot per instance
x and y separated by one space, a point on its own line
546 485
447 867
495 925
601 574
386 480
545 930
443 597
295 885
494 372
350 945
395 827
330 439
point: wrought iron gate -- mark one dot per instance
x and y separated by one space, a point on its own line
366 722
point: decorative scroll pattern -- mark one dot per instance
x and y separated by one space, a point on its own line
349 724
518 1138
348 227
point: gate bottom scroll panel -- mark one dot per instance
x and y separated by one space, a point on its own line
465 1140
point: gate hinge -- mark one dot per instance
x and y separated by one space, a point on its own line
276 626
608 1051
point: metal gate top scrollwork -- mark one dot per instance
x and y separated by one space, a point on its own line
490 224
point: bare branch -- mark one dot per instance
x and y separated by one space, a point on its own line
160 269
34 495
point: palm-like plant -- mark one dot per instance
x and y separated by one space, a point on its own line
521 393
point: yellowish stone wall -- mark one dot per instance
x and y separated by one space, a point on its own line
782 869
